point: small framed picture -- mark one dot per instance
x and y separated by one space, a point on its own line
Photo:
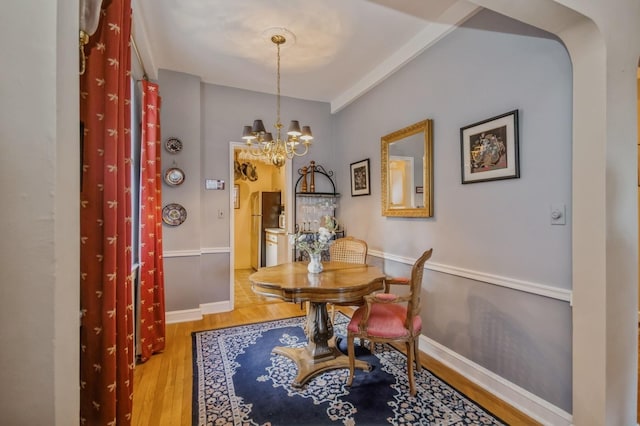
360 178
419 189
236 196
489 149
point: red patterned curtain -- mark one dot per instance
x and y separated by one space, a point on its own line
106 335
152 326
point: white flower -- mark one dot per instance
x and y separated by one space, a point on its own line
316 243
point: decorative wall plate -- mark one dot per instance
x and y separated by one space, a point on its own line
174 214
251 173
174 176
173 145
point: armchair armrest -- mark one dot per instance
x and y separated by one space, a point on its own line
389 281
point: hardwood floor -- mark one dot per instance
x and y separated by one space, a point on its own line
244 296
163 385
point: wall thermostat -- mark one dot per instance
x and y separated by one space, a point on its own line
214 184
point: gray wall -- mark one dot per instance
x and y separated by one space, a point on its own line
206 118
225 110
490 66
180 117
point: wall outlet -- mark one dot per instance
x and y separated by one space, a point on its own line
220 214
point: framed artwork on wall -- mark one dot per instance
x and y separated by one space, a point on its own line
360 178
489 149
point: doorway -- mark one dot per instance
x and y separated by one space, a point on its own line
401 182
249 174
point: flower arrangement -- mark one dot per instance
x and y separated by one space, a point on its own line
316 243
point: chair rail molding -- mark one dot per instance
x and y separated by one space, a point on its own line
195 252
512 283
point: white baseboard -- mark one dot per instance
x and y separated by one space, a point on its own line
172 317
216 307
521 399
183 316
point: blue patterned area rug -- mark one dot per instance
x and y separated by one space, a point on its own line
238 381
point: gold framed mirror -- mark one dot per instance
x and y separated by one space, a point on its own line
407 171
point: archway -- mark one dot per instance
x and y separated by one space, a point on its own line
604 199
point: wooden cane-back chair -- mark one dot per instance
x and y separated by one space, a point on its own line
389 318
348 249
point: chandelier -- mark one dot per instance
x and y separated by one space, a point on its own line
278 150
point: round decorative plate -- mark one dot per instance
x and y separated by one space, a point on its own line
174 214
173 145
174 176
251 173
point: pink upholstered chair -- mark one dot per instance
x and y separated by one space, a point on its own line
386 317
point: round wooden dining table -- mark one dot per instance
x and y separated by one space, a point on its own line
339 283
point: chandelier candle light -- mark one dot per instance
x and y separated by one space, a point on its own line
278 150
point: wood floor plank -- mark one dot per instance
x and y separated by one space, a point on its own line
178 385
163 384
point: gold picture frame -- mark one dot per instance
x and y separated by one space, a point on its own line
406 164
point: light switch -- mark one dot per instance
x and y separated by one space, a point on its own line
558 213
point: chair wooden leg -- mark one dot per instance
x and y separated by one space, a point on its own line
352 358
410 356
416 346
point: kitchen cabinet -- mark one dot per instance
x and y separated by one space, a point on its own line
276 246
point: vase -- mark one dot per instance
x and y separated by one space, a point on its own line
315 263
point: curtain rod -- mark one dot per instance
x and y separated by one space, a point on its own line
135 49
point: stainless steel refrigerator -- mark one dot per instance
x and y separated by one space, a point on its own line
265 209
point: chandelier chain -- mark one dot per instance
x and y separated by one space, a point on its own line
278 124
296 141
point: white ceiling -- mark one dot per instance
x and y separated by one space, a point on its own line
341 49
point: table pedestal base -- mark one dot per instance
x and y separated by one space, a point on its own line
307 367
340 283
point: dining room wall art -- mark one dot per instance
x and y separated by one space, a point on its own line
174 176
360 178
174 214
489 149
173 145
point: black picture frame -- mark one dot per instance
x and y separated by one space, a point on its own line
489 149
360 178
